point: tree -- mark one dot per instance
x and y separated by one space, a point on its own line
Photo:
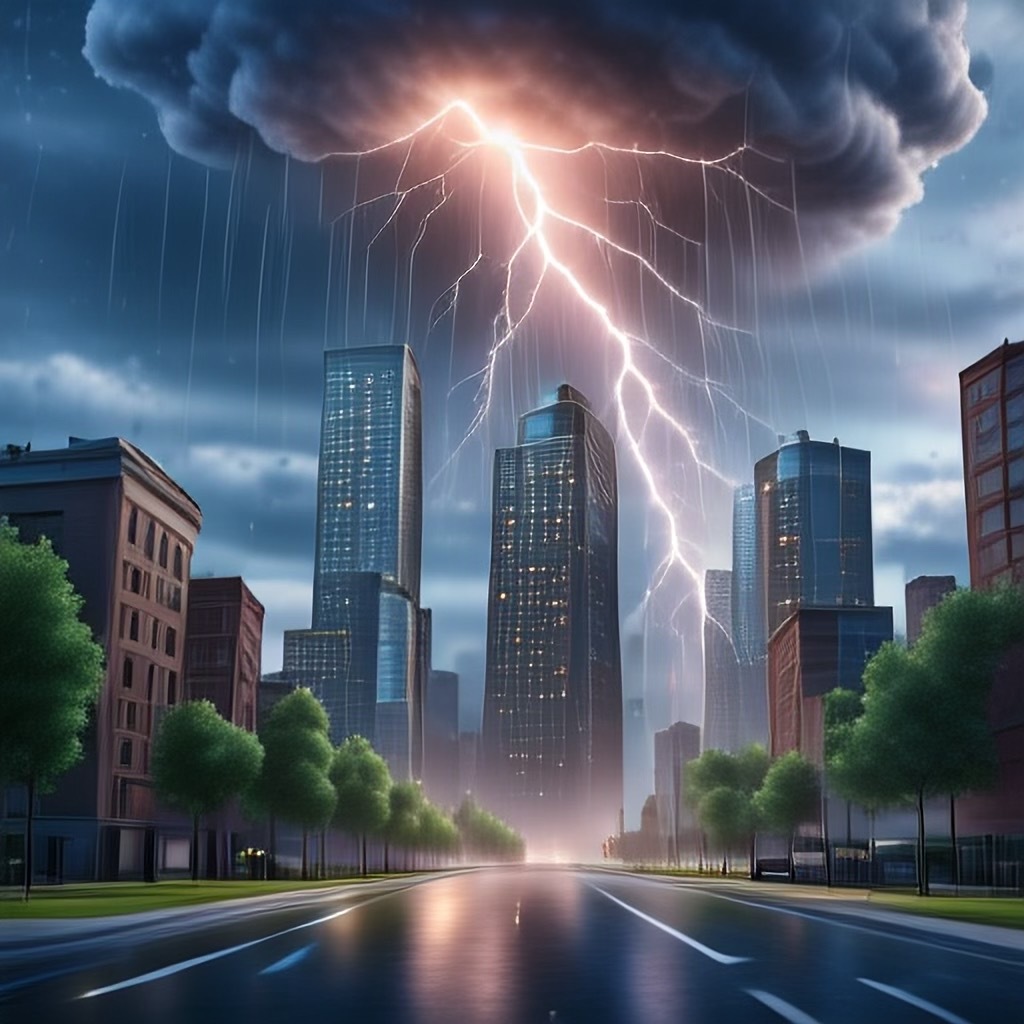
437 832
200 761
405 801
362 784
294 783
923 730
740 774
486 836
788 797
51 671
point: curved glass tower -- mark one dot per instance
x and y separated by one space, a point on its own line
552 731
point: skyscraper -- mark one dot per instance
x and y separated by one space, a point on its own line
360 655
747 624
552 731
813 528
992 417
721 677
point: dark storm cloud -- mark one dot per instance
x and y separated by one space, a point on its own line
862 97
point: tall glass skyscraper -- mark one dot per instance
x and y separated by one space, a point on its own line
813 528
722 704
360 655
552 730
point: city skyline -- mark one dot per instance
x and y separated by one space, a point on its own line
242 434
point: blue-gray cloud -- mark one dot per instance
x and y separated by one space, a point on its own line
858 98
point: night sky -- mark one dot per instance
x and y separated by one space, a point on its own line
182 298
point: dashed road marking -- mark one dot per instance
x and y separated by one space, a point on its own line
787 1011
921 1004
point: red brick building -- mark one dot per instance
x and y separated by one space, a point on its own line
992 420
127 531
223 648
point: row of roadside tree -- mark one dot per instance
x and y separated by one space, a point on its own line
51 675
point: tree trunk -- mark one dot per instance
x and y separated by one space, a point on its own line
272 859
305 854
725 863
922 848
954 864
195 847
824 839
387 850
323 853
362 855
753 854
789 857
30 814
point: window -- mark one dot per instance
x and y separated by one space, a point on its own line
1015 374
993 556
984 388
1017 512
149 683
150 540
127 670
135 581
991 520
1016 473
178 562
133 525
129 714
133 628
163 551
990 482
170 642
155 637
126 754
172 687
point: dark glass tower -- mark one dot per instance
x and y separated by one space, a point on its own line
722 706
813 528
360 655
552 731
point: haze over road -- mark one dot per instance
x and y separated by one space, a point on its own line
503 946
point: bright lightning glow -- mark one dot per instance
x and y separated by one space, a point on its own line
538 250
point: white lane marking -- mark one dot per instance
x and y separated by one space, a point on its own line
185 965
857 927
722 958
785 1010
921 1004
290 960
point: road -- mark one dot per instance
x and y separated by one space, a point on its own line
503 946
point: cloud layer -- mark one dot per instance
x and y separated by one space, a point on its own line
858 98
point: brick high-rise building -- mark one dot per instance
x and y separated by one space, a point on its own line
992 421
127 531
223 648
923 593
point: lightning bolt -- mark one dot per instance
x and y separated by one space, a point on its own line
537 215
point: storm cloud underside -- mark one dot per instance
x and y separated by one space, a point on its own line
858 99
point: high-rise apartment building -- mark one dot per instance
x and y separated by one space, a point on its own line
923 593
674 748
360 654
721 670
552 729
813 528
127 531
223 648
992 419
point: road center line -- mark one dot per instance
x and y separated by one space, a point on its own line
822 918
921 1004
184 965
722 958
785 1010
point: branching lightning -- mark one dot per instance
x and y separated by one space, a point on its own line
536 214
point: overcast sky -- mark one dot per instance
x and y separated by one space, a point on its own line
186 308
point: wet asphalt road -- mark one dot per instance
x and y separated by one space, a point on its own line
503 946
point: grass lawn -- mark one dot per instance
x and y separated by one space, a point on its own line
1007 911
102 899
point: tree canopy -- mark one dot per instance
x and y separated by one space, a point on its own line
200 761
51 670
362 783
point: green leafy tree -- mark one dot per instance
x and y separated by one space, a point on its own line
438 835
405 801
923 731
789 796
742 775
294 784
362 783
200 761
51 672
485 836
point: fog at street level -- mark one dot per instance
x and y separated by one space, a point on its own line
334 280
